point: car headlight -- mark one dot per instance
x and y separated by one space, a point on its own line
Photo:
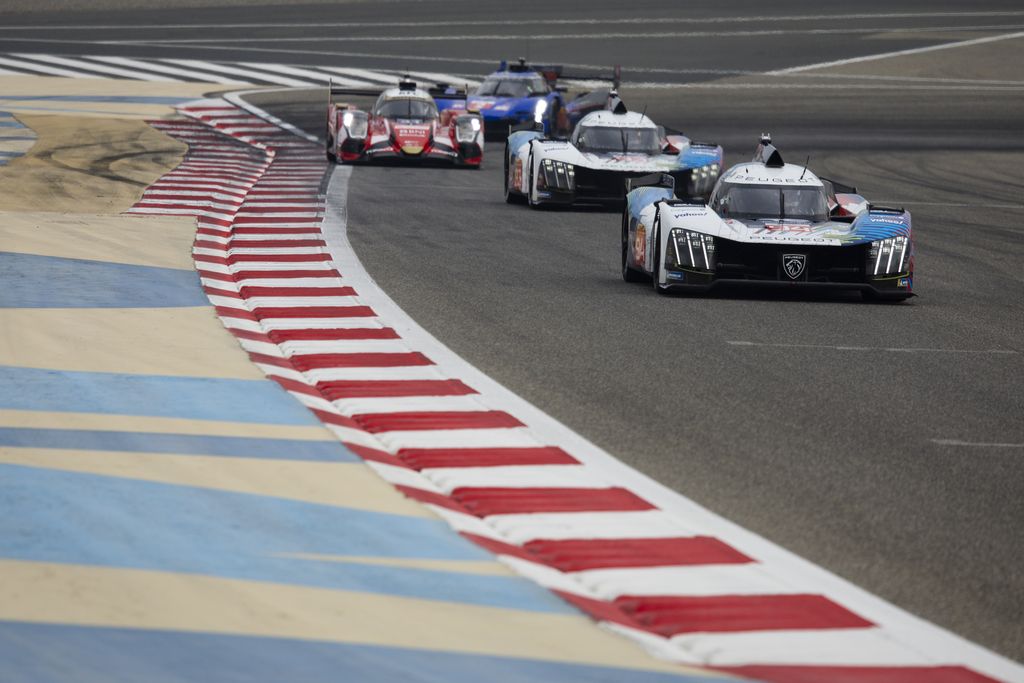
557 175
466 128
704 172
689 249
890 256
356 122
539 109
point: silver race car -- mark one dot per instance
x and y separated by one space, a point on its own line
766 223
604 150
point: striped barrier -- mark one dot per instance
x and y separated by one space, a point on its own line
689 587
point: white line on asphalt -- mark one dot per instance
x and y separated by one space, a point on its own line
528 20
44 69
98 68
900 53
976 444
190 74
305 73
893 349
250 74
561 36
364 74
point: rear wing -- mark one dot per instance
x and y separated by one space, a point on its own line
652 180
553 72
439 91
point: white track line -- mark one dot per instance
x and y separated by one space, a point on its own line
44 69
897 53
893 349
542 21
975 444
561 37
236 71
98 68
306 73
189 74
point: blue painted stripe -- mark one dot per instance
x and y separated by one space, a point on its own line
48 653
181 444
198 398
5 138
32 281
11 124
10 155
134 99
76 518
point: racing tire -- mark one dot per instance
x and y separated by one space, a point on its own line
629 274
533 204
656 265
330 145
511 196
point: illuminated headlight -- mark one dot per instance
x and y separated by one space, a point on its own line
466 128
356 123
557 176
539 109
687 249
704 172
890 256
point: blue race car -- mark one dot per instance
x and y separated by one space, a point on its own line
519 93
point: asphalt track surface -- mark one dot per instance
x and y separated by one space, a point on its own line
884 442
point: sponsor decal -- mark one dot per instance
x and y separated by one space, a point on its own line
784 227
903 282
405 132
794 265
640 245
671 275
684 214
783 238
517 174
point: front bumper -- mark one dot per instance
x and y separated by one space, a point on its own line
703 283
761 265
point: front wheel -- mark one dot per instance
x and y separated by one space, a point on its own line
534 204
511 196
629 274
656 266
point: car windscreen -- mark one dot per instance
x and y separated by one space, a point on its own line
614 139
407 109
512 87
752 202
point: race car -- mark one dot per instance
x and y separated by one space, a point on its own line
606 148
766 223
405 124
519 93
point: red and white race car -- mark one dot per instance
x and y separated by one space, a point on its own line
407 123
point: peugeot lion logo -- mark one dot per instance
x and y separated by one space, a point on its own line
794 264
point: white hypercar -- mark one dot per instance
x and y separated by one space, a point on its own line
605 149
766 223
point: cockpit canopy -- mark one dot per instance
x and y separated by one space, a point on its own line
605 139
496 86
752 202
407 108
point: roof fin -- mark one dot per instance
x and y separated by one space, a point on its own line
767 154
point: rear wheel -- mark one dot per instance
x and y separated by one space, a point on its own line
629 274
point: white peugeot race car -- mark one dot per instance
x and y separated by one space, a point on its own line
766 223
605 149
